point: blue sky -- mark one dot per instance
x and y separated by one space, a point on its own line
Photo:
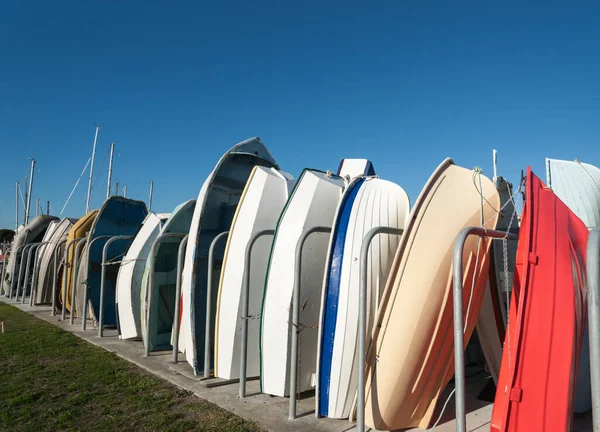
403 83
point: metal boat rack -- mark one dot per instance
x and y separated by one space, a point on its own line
593 285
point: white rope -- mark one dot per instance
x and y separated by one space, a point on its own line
75 187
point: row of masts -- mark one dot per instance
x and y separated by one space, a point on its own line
38 208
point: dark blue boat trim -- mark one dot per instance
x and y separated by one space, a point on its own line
332 294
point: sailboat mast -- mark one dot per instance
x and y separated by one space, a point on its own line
89 193
110 164
16 206
30 191
150 199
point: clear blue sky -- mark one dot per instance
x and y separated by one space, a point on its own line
403 83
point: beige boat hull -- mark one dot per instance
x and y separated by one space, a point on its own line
410 359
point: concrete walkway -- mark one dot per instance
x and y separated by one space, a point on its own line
269 411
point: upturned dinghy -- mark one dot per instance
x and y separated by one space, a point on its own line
33 232
53 250
410 359
263 199
367 203
313 203
213 215
129 278
577 184
78 230
165 279
536 388
117 216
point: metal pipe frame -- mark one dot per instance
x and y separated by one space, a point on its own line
176 323
245 301
76 265
33 246
362 319
36 272
457 288
296 316
593 283
86 293
150 288
103 278
23 253
64 290
19 249
209 290
55 275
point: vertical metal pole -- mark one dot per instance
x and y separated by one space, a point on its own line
495 160
593 280
30 191
47 207
125 191
150 199
362 319
457 289
209 289
16 207
110 167
150 288
86 292
89 192
65 271
245 300
176 323
76 264
23 260
55 275
103 279
296 316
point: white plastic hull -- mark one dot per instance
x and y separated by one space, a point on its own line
129 279
213 215
263 200
366 204
312 203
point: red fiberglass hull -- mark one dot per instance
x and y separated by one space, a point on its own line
546 322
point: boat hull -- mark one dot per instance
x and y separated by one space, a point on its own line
410 359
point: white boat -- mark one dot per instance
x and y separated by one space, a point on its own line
40 251
46 255
213 215
351 168
577 184
33 232
165 279
367 203
265 195
129 279
313 203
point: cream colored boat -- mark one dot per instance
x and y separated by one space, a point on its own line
410 359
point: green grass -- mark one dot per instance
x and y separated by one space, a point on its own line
51 380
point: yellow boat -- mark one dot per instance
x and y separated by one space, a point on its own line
80 229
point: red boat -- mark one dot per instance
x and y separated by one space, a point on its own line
541 352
